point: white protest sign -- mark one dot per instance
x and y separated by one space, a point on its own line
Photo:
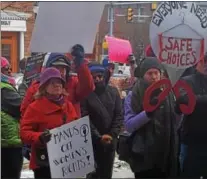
178 34
60 25
70 150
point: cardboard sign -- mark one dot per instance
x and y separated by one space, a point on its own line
119 49
178 36
70 150
33 68
60 25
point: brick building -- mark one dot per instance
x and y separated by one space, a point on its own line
17 22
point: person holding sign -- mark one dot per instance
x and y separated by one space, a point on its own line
193 128
11 145
49 110
105 111
154 139
78 87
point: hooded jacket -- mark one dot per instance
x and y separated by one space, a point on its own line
10 115
105 111
78 86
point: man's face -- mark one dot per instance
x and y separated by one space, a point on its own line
97 77
152 75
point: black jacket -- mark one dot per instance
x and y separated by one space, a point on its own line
10 102
194 126
155 144
105 112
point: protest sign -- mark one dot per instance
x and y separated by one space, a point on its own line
72 23
118 49
178 39
70 150
33 68
178 36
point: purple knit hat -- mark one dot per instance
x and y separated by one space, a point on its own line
49 73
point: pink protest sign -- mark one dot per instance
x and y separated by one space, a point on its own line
118 49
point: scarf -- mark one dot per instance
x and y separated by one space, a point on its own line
8 79
138 95
59 100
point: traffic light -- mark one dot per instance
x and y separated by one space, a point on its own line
153 6
129 14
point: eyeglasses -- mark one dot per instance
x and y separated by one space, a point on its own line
7 68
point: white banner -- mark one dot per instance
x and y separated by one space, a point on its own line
70 150
60 25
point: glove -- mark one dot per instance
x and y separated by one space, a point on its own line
180 100
45 137
106 139
153 102
156 93
78 53
26 151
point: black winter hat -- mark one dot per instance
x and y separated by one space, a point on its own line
148 63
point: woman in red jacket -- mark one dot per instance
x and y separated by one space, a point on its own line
48 111
78 87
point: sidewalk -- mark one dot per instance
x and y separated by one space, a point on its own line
121 170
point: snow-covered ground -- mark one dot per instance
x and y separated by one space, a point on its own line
121 170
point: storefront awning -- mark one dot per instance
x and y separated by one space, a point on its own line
14 21
14 15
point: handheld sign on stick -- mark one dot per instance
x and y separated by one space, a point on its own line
33 68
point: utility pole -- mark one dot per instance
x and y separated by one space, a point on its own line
111 19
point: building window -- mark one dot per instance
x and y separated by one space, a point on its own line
6 51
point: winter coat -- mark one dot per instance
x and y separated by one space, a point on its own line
193 129
77 87
105 112
40 115
154 140
10 115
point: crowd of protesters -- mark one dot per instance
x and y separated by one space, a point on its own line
160 144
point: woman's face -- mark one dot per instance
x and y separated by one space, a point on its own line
54 87
6 70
